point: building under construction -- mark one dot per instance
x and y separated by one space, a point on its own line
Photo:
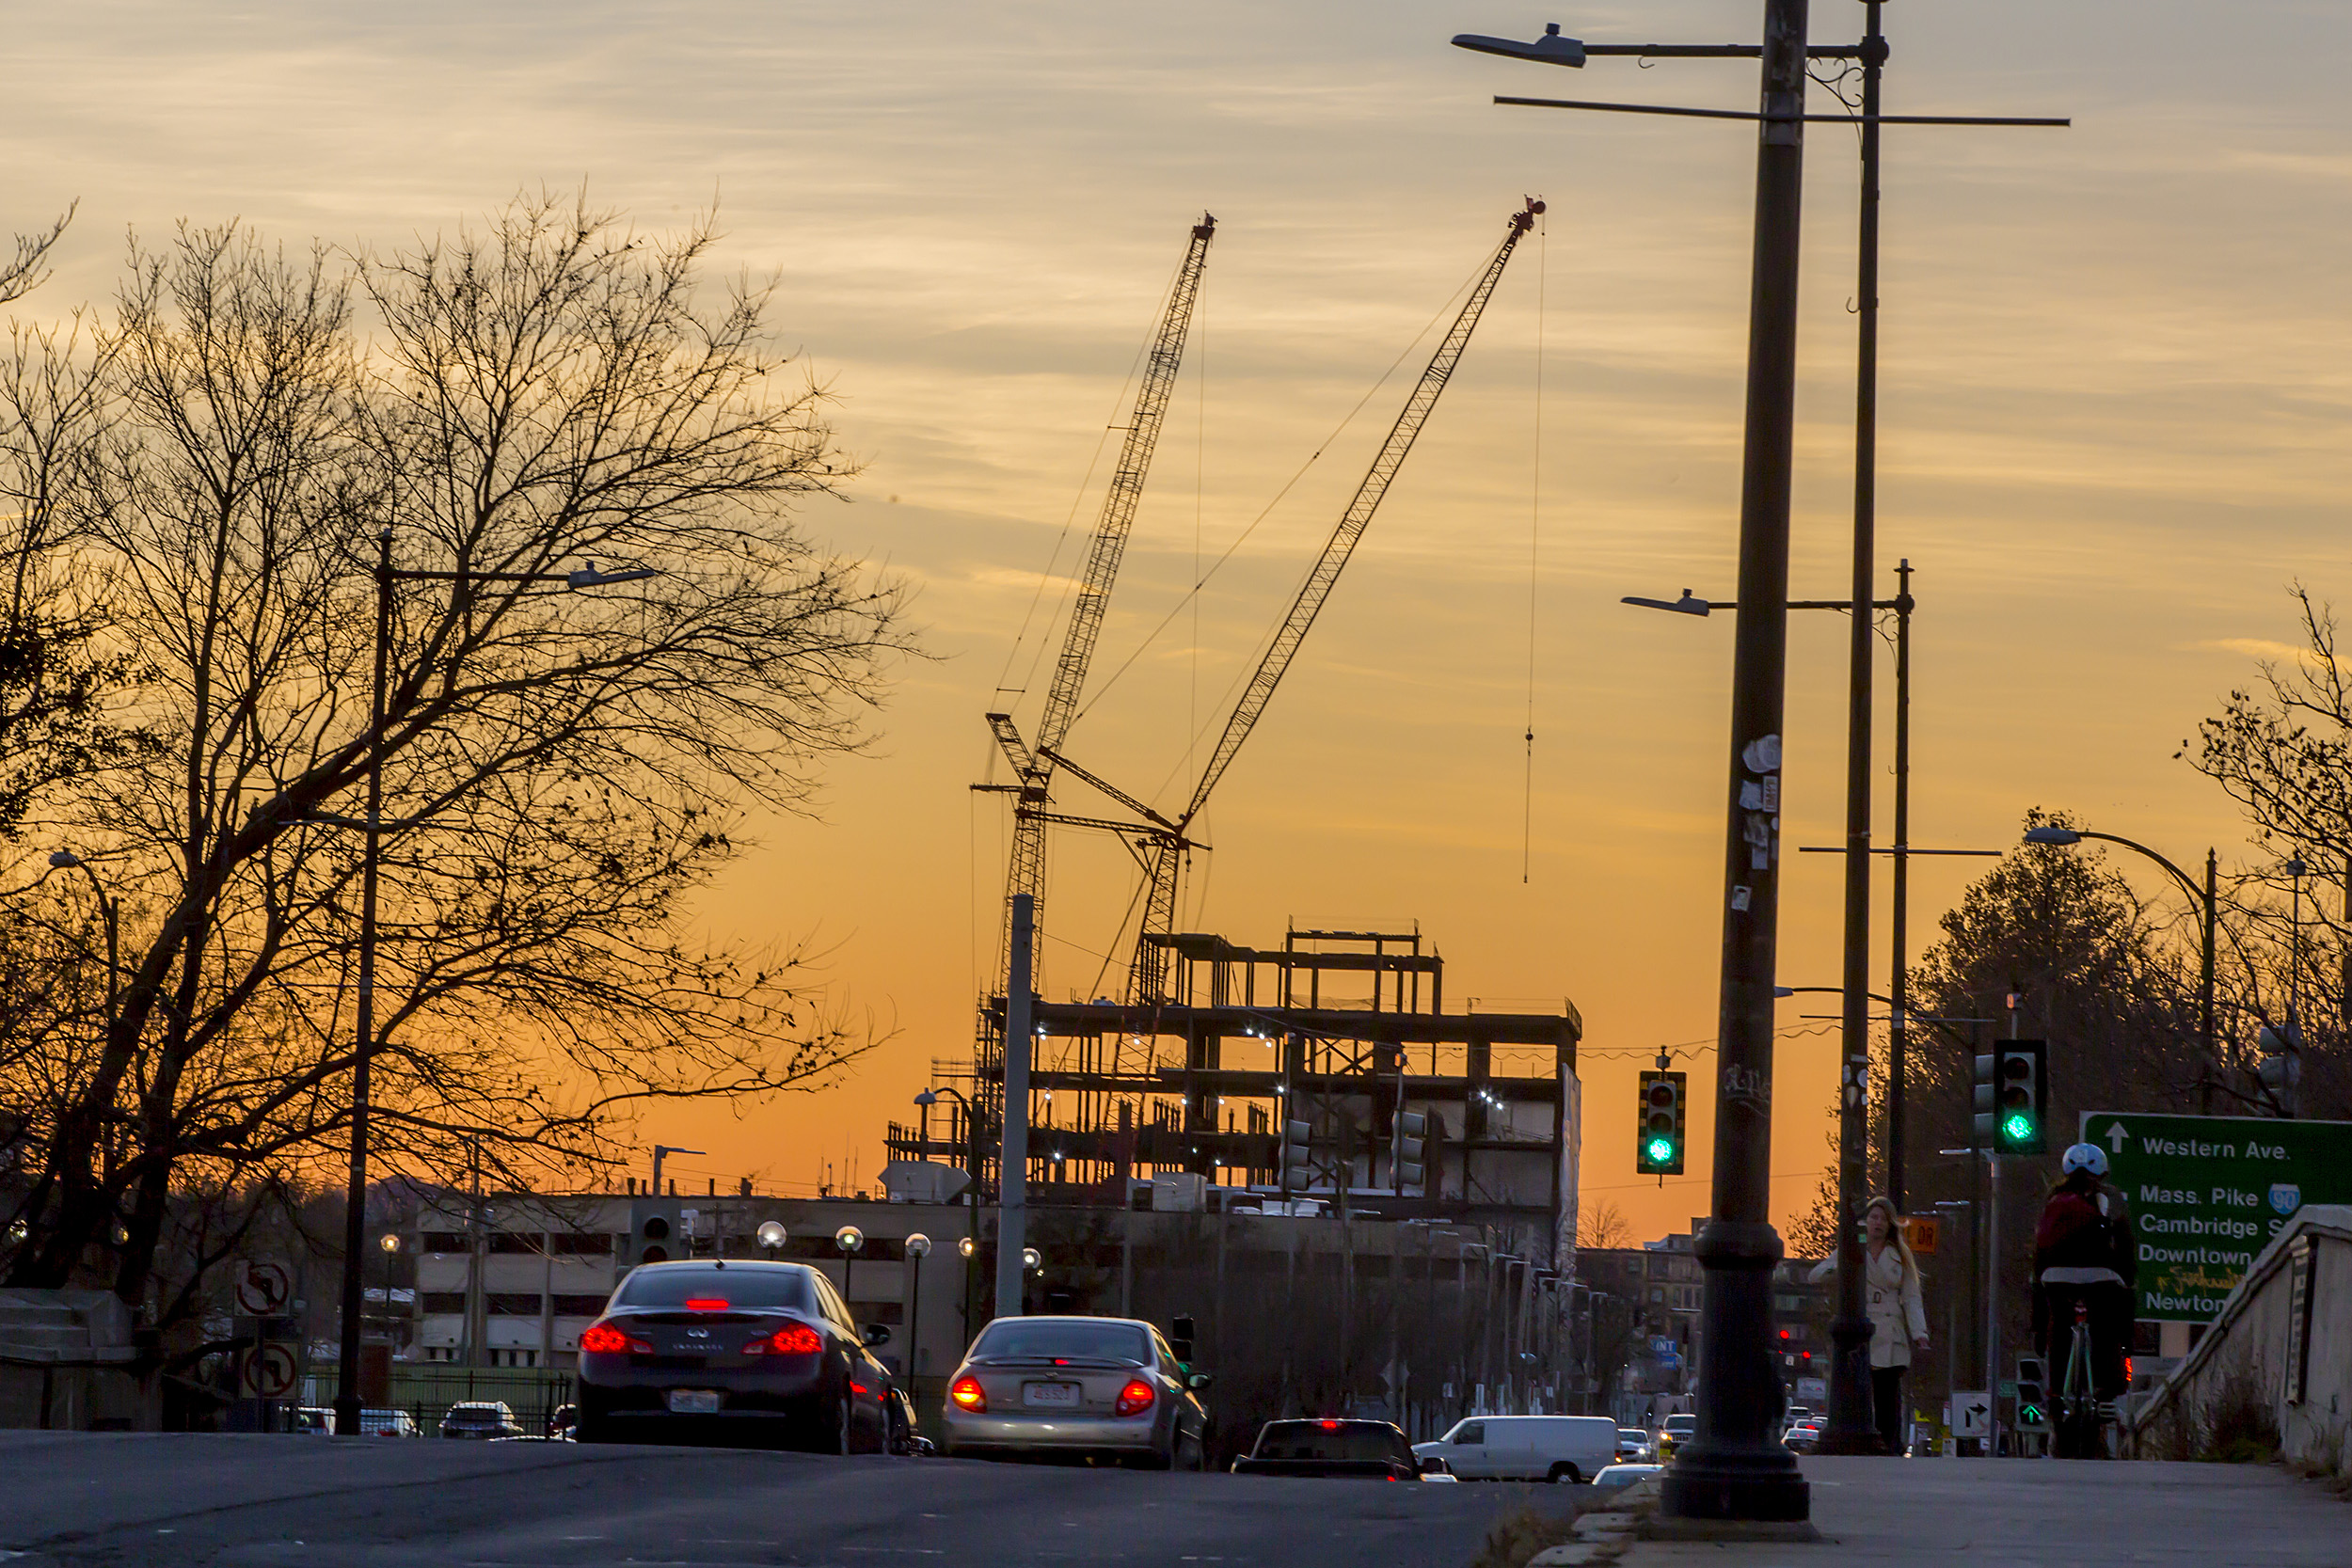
1288 1076
1324 1074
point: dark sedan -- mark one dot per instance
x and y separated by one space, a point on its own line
1365 1450
732 1352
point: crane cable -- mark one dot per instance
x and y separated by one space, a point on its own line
1202 580
1535 536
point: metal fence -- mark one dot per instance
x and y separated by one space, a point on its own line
427 1392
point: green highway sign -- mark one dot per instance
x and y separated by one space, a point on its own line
2208 1193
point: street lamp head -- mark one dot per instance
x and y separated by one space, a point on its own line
965 1246
918 1245
2053 835
771 1234
1552 49
849 1238
1032 1259
596 576
390 1243
1690 604
926 1099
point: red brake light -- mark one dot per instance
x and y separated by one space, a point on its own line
1328 1426
1136 1398
706 1304
604 1340
792 1339
969 1396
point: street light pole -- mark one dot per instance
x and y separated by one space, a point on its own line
2057 837
60 859
1735 1465
347 1402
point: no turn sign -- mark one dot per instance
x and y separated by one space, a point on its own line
263 1288
267 1372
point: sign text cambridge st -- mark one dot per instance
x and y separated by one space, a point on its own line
2208 1193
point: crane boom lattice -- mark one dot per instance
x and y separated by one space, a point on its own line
1109 545
1146 976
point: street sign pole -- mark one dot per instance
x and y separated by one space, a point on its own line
1993 1302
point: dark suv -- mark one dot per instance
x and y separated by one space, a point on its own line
480 1419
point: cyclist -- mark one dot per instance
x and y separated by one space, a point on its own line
2084 1256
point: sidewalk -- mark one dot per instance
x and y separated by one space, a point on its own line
2045 1513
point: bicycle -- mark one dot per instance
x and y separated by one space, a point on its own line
2080 1420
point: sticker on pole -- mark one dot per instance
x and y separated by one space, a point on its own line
263 1288
267 1372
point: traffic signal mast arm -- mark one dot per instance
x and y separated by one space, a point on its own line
1159 915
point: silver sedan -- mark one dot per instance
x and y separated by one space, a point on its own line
1083 1388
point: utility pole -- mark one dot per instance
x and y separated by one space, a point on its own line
1851 1428
1013 1183
1735 1467
1897 1040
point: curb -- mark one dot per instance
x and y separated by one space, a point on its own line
1604 1538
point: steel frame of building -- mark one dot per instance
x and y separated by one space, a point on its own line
1341 1061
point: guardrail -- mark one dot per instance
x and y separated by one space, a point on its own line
2274 1371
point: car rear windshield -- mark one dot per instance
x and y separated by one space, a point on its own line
1034 1341
715 1289
1681 1423
1313 1440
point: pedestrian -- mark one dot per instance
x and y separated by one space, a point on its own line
1898 1319
2084 1253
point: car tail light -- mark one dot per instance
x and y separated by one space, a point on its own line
719 1304
968 1395
604 1340
792 1339
1328 1426
1136 1398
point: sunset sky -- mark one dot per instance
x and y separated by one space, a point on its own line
2114 410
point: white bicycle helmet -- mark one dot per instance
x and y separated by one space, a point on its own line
2089 1157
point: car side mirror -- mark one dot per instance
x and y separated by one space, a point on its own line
1199 1381
877 1334
1433 1465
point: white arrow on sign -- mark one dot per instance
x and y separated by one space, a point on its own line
2115 1137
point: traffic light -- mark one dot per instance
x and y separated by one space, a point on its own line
2033 1399
1659 1150
1412 1143
1298 1155
654 1226
2012 1085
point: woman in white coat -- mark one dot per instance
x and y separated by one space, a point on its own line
1898 1319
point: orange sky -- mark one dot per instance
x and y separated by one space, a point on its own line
2114 391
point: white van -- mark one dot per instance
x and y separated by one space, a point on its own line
1526 1448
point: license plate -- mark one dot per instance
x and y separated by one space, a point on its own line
693 1401
1056 1396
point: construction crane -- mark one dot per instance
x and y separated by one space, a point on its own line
1163 841
1033 767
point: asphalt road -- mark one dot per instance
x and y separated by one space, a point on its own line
169 1500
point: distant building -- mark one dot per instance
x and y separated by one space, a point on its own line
1666 1287
511 1282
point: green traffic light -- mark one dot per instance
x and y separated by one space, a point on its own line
1662 1150
2017 1129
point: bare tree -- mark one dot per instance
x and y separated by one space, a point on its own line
1602 1226
2283 753
562 769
